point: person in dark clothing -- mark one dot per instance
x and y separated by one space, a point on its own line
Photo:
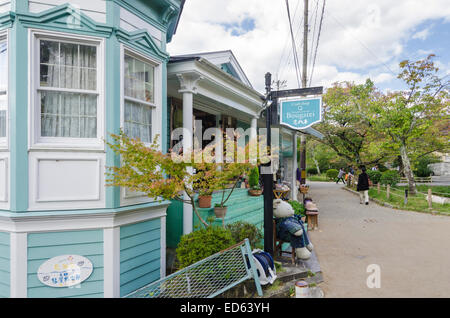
363 186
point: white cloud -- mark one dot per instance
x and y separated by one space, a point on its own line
358 39
422 35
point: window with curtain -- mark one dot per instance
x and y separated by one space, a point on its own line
68 89
139 92
3 86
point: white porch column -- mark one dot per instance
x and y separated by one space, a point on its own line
253 140
294 191
254 128
188 87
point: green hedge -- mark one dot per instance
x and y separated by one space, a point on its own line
390 177
312 171
242 230
298 207
195 246
374 175
332 174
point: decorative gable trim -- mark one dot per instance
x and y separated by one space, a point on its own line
7 19
65 18
142 41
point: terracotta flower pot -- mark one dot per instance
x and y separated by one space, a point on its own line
220 212
255 192
204 201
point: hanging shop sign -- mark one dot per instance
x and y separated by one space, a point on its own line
300 113
65 271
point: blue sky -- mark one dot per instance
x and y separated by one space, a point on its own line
359 39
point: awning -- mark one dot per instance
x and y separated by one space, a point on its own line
311 131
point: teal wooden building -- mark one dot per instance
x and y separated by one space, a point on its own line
71 74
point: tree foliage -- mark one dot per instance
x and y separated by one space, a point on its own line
411 118
346 122
166 176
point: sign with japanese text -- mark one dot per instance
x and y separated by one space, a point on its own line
65 271
300 113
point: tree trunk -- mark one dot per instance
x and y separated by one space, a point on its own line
407 170
317 165
313 154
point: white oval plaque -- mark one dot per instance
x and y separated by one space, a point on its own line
65 270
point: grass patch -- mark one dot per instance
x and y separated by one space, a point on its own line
322 178
415 203
275 286
442 191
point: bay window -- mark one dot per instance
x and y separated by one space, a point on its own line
3 86
139 98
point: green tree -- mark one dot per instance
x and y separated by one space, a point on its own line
410 118
346 123
148 170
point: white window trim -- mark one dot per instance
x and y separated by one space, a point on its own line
4 141
34 115
130 197
156 105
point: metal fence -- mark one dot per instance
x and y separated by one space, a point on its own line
206 278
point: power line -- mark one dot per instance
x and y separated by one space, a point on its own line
317 42
290 52
294 48
287 39
310 60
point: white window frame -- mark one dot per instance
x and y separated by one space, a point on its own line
5 140
38 142
129 197
156 106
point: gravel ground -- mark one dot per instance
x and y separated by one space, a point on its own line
411 249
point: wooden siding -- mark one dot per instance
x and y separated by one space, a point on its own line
43 246
140 255
4 264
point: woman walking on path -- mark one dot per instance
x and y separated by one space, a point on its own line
363 186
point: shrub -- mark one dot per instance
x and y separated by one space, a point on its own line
422 168
253 179
298 207
390 177
332 174
242 230
374 175
312 171
382 167
200 244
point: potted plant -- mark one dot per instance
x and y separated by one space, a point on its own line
205 184
253 180
204 199
231 173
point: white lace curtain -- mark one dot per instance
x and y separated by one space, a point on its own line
3 87
139 99
65 69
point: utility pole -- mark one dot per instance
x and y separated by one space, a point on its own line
304 83
268 178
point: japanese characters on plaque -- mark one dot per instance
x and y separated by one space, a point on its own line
65 271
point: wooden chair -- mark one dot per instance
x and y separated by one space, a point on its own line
312 218
278 245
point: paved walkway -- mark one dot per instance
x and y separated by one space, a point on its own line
412 249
